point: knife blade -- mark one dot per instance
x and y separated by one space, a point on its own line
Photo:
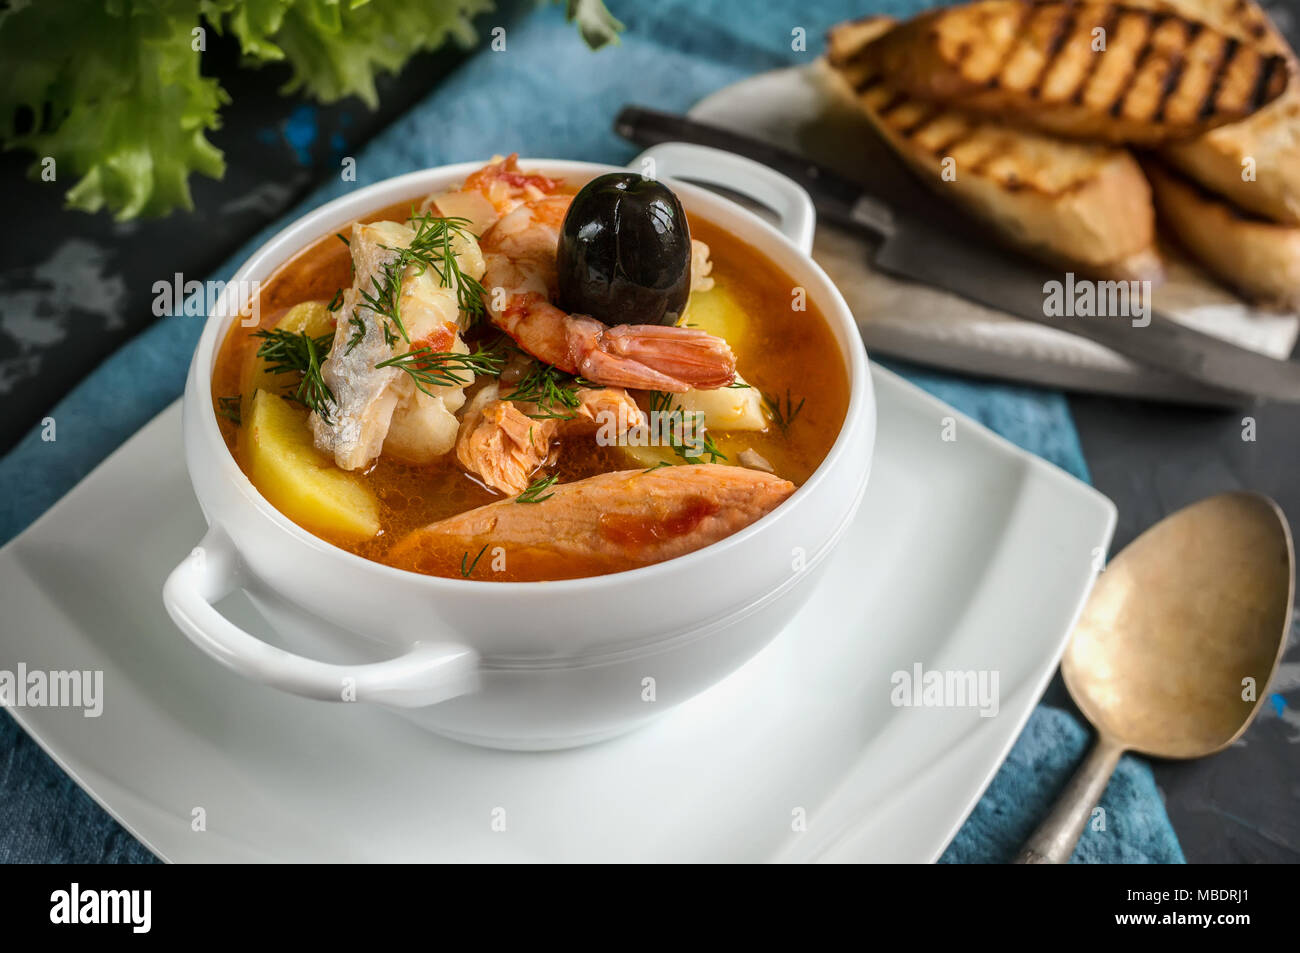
930 241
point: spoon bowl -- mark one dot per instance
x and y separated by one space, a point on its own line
1182 632
1173 653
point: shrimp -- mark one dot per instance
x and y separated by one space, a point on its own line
504 442
605 523
493 191
520 280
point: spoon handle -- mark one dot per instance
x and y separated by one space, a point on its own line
1054 841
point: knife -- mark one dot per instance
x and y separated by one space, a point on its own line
927 240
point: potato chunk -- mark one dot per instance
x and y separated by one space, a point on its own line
299 480
717 312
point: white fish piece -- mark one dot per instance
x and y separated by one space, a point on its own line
368 397
425 426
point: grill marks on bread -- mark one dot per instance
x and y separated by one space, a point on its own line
1083 204
1104 71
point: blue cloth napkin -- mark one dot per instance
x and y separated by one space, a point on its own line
545 95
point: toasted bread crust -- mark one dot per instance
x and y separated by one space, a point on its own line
1083 205
1090 70
1242 19
1255 162
1258 258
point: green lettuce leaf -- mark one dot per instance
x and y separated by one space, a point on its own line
336 50
111 90
596 24
113 94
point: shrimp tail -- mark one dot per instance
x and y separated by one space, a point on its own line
614 371
677 359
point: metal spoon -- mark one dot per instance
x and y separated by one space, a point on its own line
1160 659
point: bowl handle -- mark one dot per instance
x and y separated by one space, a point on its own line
425 675
788 200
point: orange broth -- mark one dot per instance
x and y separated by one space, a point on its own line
783 350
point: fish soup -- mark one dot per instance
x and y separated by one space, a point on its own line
506 382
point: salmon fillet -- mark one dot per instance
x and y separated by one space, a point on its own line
504 442
606 523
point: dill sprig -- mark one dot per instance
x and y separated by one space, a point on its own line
662 402
536 489
299 352
229 407
468 571
431 248
783 415
385 300
430 368
337 301
707 448
553 391
358 331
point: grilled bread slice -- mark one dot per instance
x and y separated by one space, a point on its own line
1255 162
1243 20
1259 258
1084 205
1083 70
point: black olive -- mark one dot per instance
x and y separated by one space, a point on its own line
625 252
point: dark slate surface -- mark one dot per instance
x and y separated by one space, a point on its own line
73 287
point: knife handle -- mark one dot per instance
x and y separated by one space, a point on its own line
789 201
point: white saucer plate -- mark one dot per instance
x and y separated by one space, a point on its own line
968 554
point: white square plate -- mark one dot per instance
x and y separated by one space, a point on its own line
968 555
